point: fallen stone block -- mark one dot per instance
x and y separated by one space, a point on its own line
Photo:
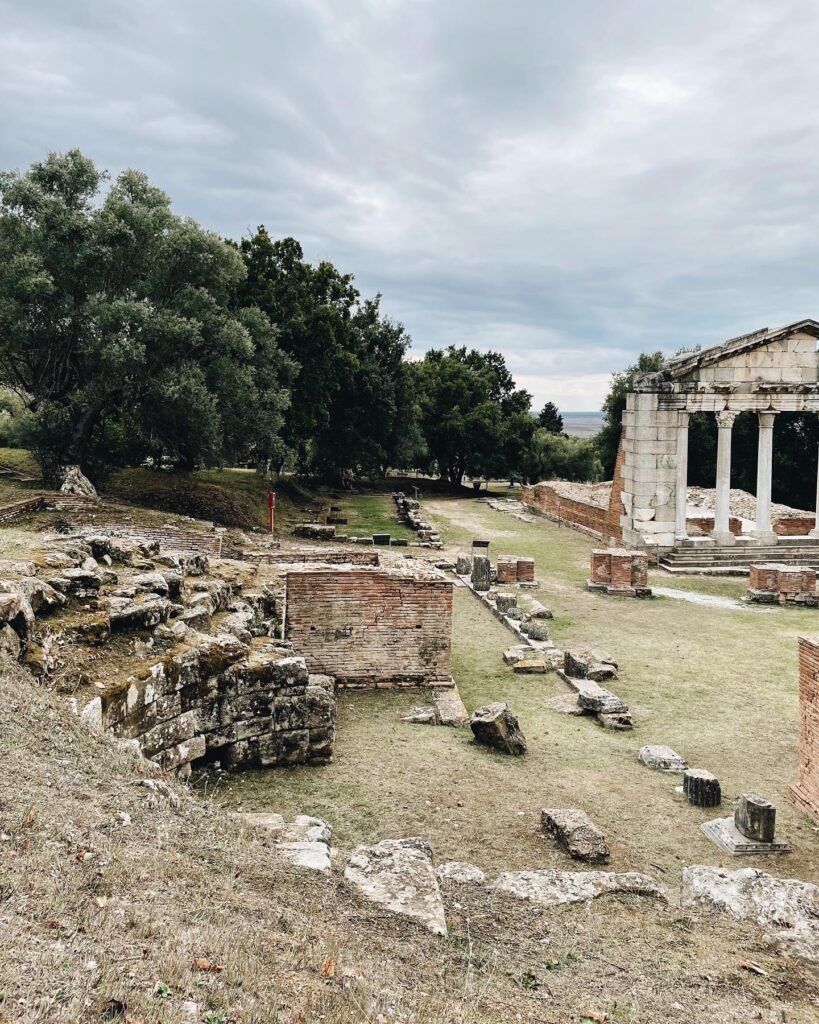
515 654
701 788
662 758
552 888
125 614
755 818
505 602
421 714
536 630
398 874
539 611
785 908
449 707
576 833
530 666
463 565
595 665
316 531
305 841
494 725
618 721
455 872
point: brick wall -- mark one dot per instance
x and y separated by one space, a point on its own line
513 569
788 580
805 792
794 527
543 498
701 526
618 568
370 627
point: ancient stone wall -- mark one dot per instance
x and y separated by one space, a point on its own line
805 792
219 699
370 627
545 499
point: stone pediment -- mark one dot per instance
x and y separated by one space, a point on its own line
783 358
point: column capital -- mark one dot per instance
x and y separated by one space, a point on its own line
684 415
725 419
766 420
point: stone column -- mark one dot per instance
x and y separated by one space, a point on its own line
764 467
722 532
815 531
680 528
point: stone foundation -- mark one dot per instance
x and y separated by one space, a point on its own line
805 792
371 628
619 572
221 700
772 583
512 569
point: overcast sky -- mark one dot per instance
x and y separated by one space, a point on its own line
569 183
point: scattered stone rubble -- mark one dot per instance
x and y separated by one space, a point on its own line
494 725
553 888
409 512
447 709
398 874
305 841
785 908
583 671
576 833
662 758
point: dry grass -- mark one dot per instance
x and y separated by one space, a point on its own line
127 923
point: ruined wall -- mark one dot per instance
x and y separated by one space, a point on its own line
371 628
220 700
805 792
649 441
545 499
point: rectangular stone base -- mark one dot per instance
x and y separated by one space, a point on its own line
777 597
604 588
725 834
800 796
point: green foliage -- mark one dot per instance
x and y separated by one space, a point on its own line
608 437
474 420
107 298
557 456
549 418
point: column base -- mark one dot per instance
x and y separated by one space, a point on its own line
814 532
726 539
766 536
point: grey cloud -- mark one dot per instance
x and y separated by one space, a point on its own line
570 184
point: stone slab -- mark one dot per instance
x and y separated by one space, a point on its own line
724 833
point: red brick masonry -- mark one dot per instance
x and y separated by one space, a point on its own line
369 627
805 792
788 582
512 569
619 571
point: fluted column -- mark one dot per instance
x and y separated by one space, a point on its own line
722 531
764 469
815 531
680 527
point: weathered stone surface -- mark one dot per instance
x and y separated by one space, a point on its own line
515 654
505 602
155 582
463 565
398 874
91 715
160 794
530 666
450 709
755 818
481 573
539 611
41 596
536 629
456 872
595 665
701 788
786 908
127 614
495 726
315 531
551 888
9 641
421 714
576 832
662 758
198 616
618 721
594 698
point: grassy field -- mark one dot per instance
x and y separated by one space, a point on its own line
718 685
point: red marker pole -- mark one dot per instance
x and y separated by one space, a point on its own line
271 505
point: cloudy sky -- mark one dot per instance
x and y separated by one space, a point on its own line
569 183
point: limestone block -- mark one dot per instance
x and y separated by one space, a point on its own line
553 888
662 758
454 872
494 725
398 874
643 515
576 832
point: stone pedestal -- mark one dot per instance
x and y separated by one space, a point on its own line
701 788
481 573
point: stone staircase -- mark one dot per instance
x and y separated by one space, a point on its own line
736 560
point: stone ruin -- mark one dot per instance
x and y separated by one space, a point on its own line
805 792
619 572
774 583
372 627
